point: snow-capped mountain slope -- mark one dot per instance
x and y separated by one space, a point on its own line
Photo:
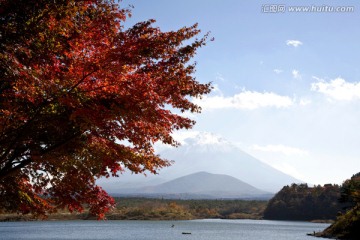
210 153
206 152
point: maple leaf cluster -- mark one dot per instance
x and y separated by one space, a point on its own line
74 86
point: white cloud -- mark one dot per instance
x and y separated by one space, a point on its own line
180 136
280 149
186 137
337 89
294 43
245 100
205 138
278 71
296 74
304 102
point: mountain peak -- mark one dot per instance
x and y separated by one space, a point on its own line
205 141
206 138
207 152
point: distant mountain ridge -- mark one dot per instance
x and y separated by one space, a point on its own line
201 185
204 152
210 153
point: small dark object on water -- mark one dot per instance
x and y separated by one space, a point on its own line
186 233
312 234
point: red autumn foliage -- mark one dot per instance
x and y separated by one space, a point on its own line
75 84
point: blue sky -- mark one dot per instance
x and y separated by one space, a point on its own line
287 84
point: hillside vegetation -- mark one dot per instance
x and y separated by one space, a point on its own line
166 209
301 202
339 203
140 208
347 225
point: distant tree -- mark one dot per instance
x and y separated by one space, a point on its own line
75 85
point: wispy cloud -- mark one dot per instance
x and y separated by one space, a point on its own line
280 149
278 71
220 77
294 43
248 100
296 74
337 89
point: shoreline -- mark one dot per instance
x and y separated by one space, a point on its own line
115 217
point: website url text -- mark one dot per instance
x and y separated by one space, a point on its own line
281 8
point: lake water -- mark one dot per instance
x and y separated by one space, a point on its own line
214 229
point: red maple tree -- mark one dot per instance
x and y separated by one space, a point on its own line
75 84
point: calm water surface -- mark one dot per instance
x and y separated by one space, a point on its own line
153 230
